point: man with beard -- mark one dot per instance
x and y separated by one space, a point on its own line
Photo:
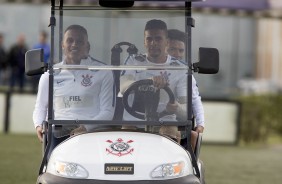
156 42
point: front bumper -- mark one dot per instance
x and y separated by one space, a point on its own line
47 178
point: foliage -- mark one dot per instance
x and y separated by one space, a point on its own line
261 115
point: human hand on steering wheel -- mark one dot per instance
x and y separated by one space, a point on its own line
171 108
149 97
160 81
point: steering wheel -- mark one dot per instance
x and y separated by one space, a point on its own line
150 98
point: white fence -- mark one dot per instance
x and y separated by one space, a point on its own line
2 111
222 123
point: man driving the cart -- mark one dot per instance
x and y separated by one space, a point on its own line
156 43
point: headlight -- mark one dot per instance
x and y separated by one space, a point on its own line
70 170
168 170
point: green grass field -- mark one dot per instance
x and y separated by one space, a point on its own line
242 165
20 157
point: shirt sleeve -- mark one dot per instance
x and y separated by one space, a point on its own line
197 105
106 97
41 105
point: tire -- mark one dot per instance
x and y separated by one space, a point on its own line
202 172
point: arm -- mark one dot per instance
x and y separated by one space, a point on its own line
180 107
197 107
41 105
106 97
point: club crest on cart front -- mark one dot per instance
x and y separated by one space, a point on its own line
119 147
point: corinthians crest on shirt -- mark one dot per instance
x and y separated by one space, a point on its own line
86 80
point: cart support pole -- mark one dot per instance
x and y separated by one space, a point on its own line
50 96
188 28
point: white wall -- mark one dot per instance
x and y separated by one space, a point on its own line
221 118
22 106
2 111
221 122
28 19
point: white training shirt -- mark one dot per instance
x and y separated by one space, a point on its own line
78 94
177 83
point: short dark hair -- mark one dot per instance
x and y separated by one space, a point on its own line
78 28
44 34
175 34
156 24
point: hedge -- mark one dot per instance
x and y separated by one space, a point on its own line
261 116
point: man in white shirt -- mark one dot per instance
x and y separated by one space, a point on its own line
176 48
78 94
156 42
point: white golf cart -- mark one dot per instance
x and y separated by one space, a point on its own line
110 154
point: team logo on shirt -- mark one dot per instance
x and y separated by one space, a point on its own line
86 81
140 57
119 147
60 82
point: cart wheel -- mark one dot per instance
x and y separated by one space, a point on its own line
202 172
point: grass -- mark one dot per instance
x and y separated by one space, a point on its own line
20 157
242 165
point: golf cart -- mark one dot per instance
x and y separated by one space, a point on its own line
109 153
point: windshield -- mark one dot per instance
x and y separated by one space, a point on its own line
100 55
107 27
